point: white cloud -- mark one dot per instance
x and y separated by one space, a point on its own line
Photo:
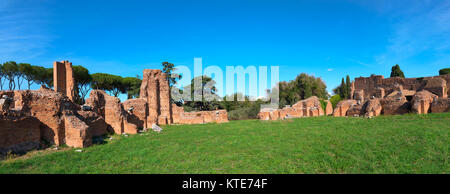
330 69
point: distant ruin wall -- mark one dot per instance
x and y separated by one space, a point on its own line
200 117
310 107
378 86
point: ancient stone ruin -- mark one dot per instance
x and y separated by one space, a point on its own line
31 118
375 95
154 106
63 80
309 107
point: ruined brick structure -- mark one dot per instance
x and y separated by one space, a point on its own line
28 117
309 107
112 111
200 117
63 80
154 105
156 92
375 95
52 117
378 86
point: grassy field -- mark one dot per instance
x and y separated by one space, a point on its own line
385 144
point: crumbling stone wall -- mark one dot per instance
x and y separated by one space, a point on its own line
377 85
47 106
112 111
138 110
437 85
96 123
396 104
200 117
440 105
63 79
421 102
56 118
342 107
155 107
309 107
155 91
76 132
355 110
18 133
373 107
399 95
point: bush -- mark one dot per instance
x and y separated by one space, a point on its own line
323 104
444 71
244 113
335 100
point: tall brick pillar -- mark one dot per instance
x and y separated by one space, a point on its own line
63 80
164 99
155 90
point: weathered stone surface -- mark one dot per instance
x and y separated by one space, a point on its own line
396 104
200 117
155 90
61 121
165 117
437 85
47 106
138 108
440 105
96 123
373 108
421 102
18 133
63 79
377 85
379 92
342 107
309 107
359 96
112 111
290 112
264 115
355 110
76 132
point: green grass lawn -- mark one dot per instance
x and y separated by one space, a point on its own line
385 144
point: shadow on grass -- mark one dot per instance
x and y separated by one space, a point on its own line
100 140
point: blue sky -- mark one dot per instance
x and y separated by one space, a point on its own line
328 39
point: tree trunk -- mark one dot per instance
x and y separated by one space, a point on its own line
18 82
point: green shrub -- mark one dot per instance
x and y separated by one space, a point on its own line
444 71
323 104
335 100
244 113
